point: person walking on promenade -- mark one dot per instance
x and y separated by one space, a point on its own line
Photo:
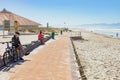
16 43
117 35
40 37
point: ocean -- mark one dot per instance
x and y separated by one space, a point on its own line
106 30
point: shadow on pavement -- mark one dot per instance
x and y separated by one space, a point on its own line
12 65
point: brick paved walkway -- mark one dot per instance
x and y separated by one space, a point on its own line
51 62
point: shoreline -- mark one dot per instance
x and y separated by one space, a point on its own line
104 35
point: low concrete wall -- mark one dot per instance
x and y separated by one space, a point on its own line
80 67
29 48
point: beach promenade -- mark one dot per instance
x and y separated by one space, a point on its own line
51 61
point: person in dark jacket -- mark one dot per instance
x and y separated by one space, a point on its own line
16 42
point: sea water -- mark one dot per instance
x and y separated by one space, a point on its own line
106 30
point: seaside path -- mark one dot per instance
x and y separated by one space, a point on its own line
51 62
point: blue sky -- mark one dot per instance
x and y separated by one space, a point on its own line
72 12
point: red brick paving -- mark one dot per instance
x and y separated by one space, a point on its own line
52 62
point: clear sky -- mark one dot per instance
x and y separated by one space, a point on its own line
72 12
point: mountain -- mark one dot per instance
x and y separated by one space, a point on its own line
103 24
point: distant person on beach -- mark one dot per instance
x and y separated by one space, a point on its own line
16 43
40 37
116 34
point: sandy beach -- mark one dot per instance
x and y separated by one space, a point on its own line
100 56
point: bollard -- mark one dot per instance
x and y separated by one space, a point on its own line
53 35
61 32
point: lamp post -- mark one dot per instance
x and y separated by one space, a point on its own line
64 24
10 22
47 25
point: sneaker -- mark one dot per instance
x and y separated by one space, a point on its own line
21 59
27 53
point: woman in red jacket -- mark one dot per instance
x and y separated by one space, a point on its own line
40 37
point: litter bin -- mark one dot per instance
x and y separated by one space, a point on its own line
53 35
61 32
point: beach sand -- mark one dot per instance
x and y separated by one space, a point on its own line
99 56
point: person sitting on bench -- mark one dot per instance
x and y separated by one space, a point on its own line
40 37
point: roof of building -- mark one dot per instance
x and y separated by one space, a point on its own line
7 15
